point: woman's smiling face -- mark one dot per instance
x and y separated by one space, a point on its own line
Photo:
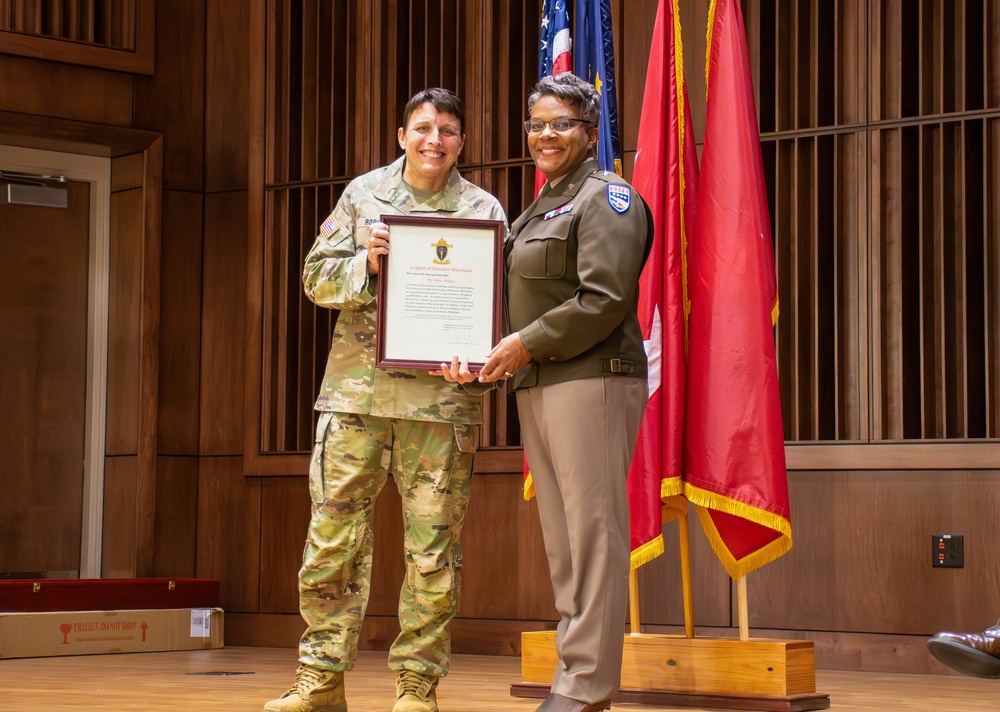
433 142
557 153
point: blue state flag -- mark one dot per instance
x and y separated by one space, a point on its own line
594 60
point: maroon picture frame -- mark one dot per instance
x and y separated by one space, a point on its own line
395 350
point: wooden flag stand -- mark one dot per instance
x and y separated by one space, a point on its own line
685 671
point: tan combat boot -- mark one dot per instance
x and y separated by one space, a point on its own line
314 690
415 692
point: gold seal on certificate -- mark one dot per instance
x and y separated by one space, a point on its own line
439 291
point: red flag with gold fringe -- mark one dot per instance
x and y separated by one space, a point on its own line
734 444
666 176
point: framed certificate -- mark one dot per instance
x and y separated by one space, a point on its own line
439 291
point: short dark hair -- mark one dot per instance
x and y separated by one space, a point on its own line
576 92
444 100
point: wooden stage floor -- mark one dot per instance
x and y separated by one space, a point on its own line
189 681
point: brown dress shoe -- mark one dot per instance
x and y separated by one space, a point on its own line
558 703
975 654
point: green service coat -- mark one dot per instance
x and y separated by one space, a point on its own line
573 264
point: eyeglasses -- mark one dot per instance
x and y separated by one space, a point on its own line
559 124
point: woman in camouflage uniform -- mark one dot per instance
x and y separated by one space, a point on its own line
422 428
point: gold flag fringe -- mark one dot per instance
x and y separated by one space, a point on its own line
708 51
705 501
674 506
529 487
646 552
679 83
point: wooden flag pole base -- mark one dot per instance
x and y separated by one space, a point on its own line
710 673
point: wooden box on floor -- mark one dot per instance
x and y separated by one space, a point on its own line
756 674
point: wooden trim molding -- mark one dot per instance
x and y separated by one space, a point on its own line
149 365
925 455
489 461
254 462
89 139
965 455
870 652
469 635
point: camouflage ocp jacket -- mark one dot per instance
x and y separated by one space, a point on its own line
336 276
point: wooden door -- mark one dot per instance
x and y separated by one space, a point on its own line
44 267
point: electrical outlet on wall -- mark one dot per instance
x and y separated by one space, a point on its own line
948 551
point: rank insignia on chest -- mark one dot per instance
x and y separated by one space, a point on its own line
558 211
619 197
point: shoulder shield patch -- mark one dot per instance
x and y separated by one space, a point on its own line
619 197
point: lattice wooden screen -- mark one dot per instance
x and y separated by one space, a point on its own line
934 265
880 151
818 214
102 22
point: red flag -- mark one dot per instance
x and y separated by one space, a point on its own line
529 483
666 176
734 444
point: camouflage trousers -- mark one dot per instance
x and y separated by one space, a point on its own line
431 463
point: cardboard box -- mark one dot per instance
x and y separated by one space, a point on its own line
34 635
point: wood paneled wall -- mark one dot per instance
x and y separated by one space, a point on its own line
883 183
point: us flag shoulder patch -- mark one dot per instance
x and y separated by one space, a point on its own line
619 197
329 227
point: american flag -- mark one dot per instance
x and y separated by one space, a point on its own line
554 51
